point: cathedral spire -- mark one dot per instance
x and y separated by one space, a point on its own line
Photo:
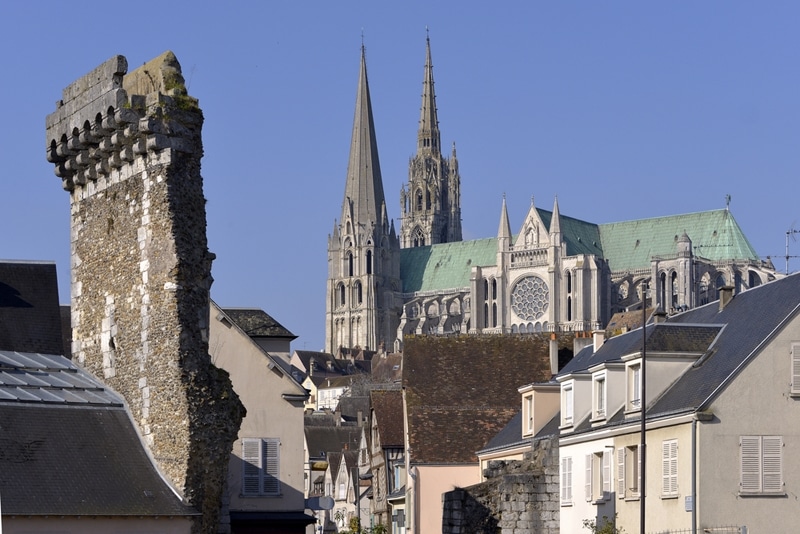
504 232
364 188
428 138
555 223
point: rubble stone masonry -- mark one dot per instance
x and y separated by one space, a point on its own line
127 147
518 497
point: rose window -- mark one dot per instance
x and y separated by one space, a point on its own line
530 297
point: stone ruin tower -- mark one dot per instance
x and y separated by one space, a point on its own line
127 148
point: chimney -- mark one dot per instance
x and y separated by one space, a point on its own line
553 354
659 316
725 296
599 337
360 416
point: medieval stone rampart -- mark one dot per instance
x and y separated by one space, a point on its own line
127 147
518 497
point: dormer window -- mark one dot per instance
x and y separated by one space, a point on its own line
567 404
527 413
634 380
599 396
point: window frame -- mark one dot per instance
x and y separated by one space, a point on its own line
568 404
794 372
599 395
633 386
669 468
566 481
261 467
761 466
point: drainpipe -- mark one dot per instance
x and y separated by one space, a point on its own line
698 416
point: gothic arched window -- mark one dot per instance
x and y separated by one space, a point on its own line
341 295
419 199
357 291
419 238
349 264
369 262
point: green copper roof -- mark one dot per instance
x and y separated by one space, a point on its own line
581 237
444 266
715 236
626 245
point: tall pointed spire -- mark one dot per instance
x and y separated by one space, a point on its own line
428 137
555 223
364 188
505 227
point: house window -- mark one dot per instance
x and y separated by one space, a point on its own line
566 404
761 465
566 481
795 388
529 414
629 466
669 468
634 387
598 476
260 468
599 408
341 495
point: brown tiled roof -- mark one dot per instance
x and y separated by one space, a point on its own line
388 368
461 391
388 408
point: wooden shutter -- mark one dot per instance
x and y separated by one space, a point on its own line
795 387
566 480
621 472
750 468
251 466
772 464
669 467
639 488
607 485
270 462
588 484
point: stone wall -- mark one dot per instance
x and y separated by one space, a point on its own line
127 147
518 497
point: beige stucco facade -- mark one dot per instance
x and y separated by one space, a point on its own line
274 403
757 403
424 489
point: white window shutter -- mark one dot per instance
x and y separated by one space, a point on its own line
772 468
271 466
673 467
588 484
750 472
621 473
795 387
566 480
251 466
664 468
639 487
607 485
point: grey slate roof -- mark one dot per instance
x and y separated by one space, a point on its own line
724 340
257 323
69 448
322 440
30 319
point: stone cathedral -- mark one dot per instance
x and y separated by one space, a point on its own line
556 274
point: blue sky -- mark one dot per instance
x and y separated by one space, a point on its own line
623 109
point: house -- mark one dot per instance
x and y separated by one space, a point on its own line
387 458
326 436
720 388
70 457
266 472
459 392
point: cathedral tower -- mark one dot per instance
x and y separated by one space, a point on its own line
363 251
431 201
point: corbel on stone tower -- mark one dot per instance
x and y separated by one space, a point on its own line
127 147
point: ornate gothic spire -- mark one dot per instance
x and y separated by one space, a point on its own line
504 232
364 188
428 135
